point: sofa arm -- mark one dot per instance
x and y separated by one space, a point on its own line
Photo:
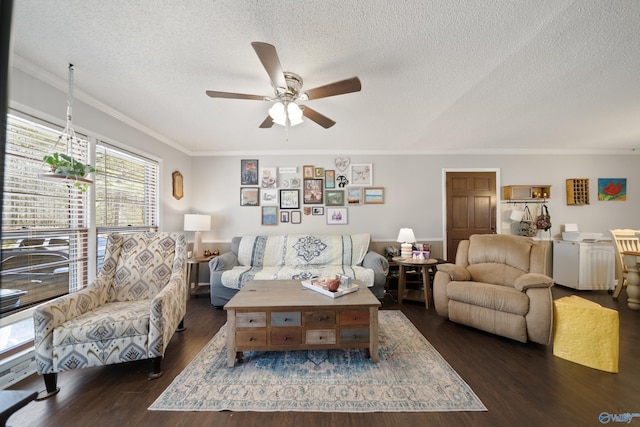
168 308
380 267
532 280
454 271
226 261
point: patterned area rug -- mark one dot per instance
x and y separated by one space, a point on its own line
410 377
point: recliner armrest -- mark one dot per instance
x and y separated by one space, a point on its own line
454 271
226 261
532 280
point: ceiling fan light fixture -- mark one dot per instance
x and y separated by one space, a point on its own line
278 114
295 113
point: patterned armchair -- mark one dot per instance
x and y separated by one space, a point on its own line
129 312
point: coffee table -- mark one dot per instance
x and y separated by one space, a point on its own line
282 315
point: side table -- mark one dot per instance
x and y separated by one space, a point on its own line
420 264
193 272
12 400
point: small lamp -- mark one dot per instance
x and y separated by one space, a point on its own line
407 238
197 223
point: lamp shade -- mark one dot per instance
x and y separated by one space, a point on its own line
196 222
406 236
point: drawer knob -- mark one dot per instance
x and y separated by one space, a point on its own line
251 339
250 320
286 338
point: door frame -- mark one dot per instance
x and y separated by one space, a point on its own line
444 200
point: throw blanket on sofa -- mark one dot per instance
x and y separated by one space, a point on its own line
299 256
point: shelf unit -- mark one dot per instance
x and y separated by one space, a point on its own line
578 191
527 192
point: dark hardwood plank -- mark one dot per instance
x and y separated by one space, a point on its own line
520 384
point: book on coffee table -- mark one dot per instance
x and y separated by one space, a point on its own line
320 287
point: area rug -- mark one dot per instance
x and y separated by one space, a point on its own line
410 377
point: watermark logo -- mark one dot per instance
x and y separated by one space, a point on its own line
627 417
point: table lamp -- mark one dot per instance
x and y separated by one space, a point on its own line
406 237
197 223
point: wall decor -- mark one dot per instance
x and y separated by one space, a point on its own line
249 196
337 216
312 191
307 171
342 181
284 216
269 215
268 177
612 189
287 169
269 197
342 163
289 199
249 172
307 210
334 197
354 196
329 179
294 182
374 195
318 172
296 217
317 210
178 185
361 174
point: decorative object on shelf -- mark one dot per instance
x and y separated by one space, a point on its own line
197 223
578 191
612 189
178 185
65 166
407 238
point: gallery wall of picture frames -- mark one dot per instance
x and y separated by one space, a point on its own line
285 193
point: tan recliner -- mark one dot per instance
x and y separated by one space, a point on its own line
498 285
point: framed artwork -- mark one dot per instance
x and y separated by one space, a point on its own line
269 197
296 217
337 216
342 180
374 195
329 179
268 177
178 183
319 172
361 174
249 196
317 210
334 198
249 172
269 215
612 189
289 199
313 191
354 196
307 171
284 216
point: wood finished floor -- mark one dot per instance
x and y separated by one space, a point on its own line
520 384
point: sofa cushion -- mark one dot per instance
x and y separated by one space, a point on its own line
500 298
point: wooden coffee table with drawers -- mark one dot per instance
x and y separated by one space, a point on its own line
282 315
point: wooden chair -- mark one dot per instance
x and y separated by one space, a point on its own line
623 240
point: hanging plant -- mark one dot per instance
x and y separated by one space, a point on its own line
66 166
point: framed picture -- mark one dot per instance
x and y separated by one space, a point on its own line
249 172
319 172
354 196
313 191
337 216
329 179
307 171
178 183
249 196
374 195
268 177
612 189
296 217
269 215
317 210
269 197
361 174
289 199
334 198
284 216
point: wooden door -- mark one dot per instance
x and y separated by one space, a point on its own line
471 207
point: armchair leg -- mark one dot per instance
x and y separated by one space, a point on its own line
157 370
181 326
51 383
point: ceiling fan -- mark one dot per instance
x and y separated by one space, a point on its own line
287 86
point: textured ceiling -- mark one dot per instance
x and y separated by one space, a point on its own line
437 76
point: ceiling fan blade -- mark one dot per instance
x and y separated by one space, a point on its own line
269 58
267 123
231 95
320 119
337 88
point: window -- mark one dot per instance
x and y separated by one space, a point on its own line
126 187
44 223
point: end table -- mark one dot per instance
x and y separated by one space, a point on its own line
193 272
419 264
